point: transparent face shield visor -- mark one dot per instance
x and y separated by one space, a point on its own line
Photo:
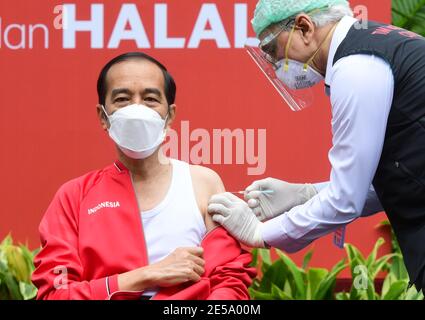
296 99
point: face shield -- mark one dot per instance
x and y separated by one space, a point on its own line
296 99
292 79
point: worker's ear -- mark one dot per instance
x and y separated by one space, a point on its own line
304 23
171 115
102 117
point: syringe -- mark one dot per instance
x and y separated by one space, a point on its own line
262 191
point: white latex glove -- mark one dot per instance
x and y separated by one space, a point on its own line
285 196
235 216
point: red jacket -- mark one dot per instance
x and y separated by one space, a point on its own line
92 231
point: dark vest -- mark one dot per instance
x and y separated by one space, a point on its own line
400 178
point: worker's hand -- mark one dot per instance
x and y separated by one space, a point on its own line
182 265
235 215
284 197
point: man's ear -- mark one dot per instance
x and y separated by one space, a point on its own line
171 115
304 23
102 117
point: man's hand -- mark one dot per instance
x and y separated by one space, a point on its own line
182 265
235 215
284 197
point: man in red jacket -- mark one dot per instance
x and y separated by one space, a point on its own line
138 229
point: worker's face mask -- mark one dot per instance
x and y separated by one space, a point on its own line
292 79
297 75
137 130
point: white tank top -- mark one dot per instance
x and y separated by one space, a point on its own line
176 221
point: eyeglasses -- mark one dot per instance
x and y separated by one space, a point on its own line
269 44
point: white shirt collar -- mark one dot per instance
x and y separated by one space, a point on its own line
339 35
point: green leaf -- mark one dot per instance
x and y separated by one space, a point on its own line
372 257
266 260
3 262
6 241
288 289
297 275
28 291
314 277
4 292
388 281
276 273
325 289
413 294
396 290
13 287
398 268
16 267
257 295
29 259
254 254
280 294
410 15
384 223
379 265
255 284
307 259
275 291
354 254
36 251
363 287
371 292
342 296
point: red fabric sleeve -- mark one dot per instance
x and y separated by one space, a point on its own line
227 272
231 281
58 273
230 274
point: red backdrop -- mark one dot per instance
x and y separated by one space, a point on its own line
48 126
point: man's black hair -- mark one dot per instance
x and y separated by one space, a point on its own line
169 84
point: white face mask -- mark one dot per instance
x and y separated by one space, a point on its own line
295 76
137 130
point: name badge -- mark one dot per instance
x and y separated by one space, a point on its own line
339 237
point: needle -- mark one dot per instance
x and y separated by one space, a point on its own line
262 191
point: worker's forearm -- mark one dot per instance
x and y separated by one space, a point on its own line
372 205
276 235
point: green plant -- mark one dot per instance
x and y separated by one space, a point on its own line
410 15
364 272
397 270
16 267
283 280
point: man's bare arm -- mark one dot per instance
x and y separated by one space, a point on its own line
206 183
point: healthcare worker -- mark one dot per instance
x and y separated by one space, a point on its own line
375 77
